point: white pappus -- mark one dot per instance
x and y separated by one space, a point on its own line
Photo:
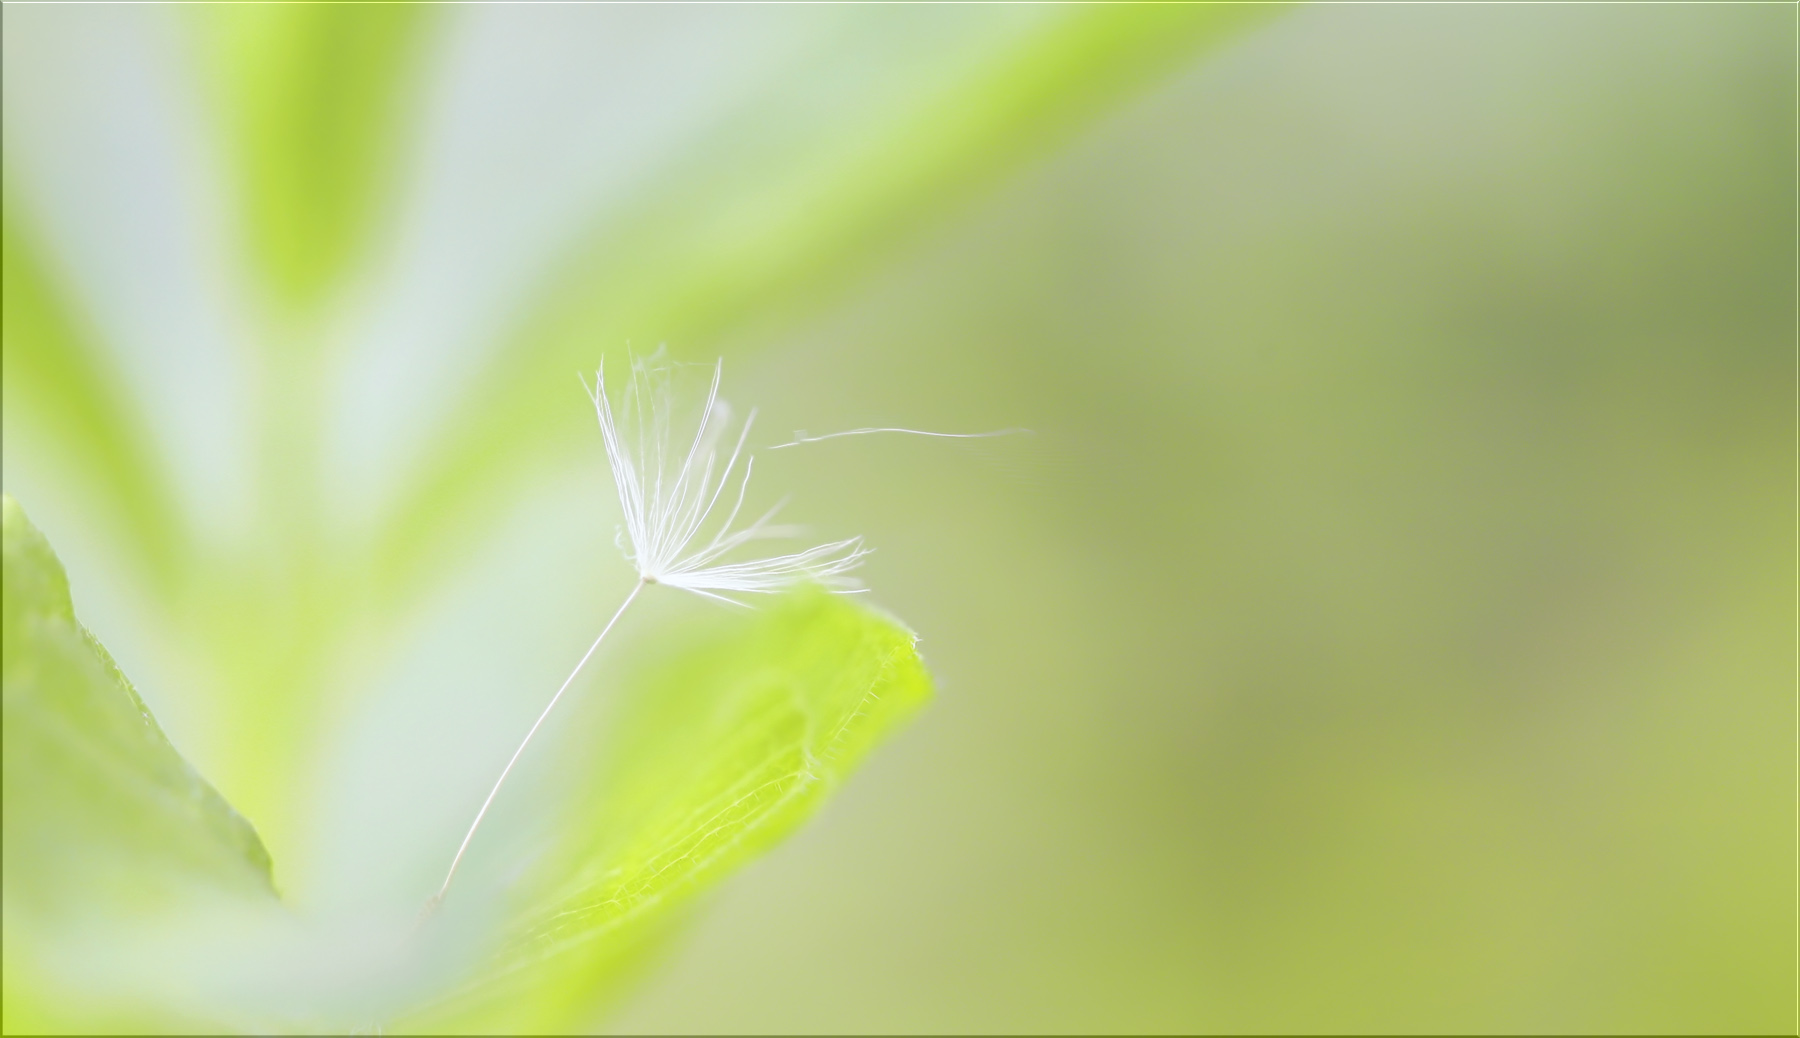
669 485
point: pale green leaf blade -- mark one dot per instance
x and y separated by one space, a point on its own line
64 408
721 749
105 824
312 101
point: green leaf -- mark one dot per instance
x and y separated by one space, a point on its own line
311 96
723 747
104 822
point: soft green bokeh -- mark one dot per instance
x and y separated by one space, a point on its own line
1388 625
776 196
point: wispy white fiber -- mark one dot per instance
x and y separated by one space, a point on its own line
800 436
671 484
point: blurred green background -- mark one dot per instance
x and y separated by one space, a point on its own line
1389 623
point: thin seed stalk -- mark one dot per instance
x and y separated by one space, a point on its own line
438 898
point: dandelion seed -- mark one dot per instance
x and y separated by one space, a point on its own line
670 486
669 489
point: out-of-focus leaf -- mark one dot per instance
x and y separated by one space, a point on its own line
773 212
718 752
312 99
63 407
104 822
